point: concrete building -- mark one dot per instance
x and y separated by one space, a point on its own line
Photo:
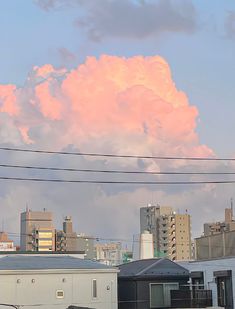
37 231
146 245
218 239
5 243
86 243
215 246
227 225
109 254
66 240
56 282
171 231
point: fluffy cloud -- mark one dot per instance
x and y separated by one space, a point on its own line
133 100
130 19
108 105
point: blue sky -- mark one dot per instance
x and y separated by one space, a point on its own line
199 48
202 62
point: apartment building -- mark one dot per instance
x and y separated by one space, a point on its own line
37 231
171 231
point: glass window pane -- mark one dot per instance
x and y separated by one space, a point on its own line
94 288
157 296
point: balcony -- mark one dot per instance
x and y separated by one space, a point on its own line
191 299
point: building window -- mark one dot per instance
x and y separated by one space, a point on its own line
160 294
94 288
59 294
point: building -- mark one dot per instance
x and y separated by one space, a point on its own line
218 239
5 243
216 275
109 254
66 240
171 231
56 282
148 283
86 243
37 231
227 225
146 245
215 246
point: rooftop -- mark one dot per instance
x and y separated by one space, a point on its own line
152 268
25 262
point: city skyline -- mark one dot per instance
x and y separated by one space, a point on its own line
160 84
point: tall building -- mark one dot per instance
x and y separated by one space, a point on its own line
37 231
171 231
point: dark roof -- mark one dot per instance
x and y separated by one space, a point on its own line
47 262
152 268
41 252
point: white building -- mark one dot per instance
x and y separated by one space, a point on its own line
146 245
217 275
56 282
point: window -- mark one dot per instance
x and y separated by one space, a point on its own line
94 288
59 294
160 294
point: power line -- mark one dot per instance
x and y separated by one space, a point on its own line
56 180
52 168
101 240
115 155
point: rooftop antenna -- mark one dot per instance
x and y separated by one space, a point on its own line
232 206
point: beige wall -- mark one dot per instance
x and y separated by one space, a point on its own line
32 221
183 237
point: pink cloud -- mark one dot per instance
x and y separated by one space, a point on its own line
48 104
130 104
8 100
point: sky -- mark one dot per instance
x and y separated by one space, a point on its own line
116 76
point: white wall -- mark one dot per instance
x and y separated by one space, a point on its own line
208 267
42 292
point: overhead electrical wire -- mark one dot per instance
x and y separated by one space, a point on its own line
52 168
56 180
115 155
103 240
101 181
